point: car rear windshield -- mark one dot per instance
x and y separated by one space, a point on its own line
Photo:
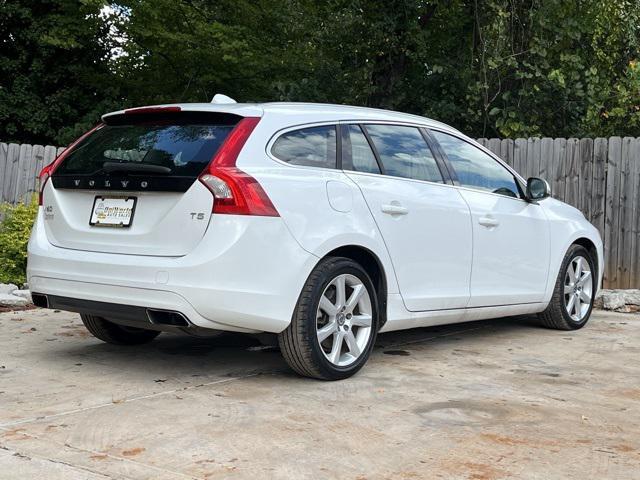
159 149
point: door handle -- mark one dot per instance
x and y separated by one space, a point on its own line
394 209
488 222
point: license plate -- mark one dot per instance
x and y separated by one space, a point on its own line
114 212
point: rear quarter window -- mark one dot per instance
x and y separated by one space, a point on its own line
311 147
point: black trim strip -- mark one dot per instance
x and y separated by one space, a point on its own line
363 127
123 183
446 169
114 311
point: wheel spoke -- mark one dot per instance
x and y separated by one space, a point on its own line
354 349
571 304
354 298
361 320
328 307
578 270
578 307
568 289
336 348
583 279
572 273
341 291
327 330
585 297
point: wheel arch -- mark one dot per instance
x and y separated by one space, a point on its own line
374 268
593 251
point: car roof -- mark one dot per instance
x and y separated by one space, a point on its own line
319 111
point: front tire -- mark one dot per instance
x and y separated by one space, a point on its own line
109 332
574 292
335 323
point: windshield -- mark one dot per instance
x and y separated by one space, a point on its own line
176 150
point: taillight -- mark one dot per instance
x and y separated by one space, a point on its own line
42 180
236 192
47 171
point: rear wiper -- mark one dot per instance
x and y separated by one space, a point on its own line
111 167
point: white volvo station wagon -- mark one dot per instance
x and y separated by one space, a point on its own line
323 224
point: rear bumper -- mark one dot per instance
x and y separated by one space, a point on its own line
245 275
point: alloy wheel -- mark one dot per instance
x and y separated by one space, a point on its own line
344 320
578 288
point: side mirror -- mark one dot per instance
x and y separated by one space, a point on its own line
537 189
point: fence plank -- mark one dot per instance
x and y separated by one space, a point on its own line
600 149
585 176
494 145
612 212
36 165
10 173
506 151
625 214
559 179
23 173
4 151
634 275
546 160
572 172
520 156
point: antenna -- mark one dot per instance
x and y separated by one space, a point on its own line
220 98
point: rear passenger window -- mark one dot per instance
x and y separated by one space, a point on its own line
356 148
404 152
312 147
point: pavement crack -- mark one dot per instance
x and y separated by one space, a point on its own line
96 452
125 401
80 468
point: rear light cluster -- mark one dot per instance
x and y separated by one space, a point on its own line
234 191
47 171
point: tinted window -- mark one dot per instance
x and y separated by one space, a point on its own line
404 152
359 151
185 150
475 168
313 147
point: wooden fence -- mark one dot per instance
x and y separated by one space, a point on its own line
19 168
601 177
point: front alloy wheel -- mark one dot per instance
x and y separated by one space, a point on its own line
578 288
572 300
335 322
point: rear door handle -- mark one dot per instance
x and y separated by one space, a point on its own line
488 222
394 209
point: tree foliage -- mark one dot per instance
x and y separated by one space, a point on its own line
493 68
14 236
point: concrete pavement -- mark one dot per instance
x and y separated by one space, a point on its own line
485 400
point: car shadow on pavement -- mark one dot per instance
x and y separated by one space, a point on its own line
231 354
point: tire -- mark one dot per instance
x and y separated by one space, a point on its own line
557 315
109 332
341 323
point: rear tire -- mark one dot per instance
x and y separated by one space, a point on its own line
335 323
109 332
574 292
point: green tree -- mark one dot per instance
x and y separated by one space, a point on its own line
493 68
54 77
